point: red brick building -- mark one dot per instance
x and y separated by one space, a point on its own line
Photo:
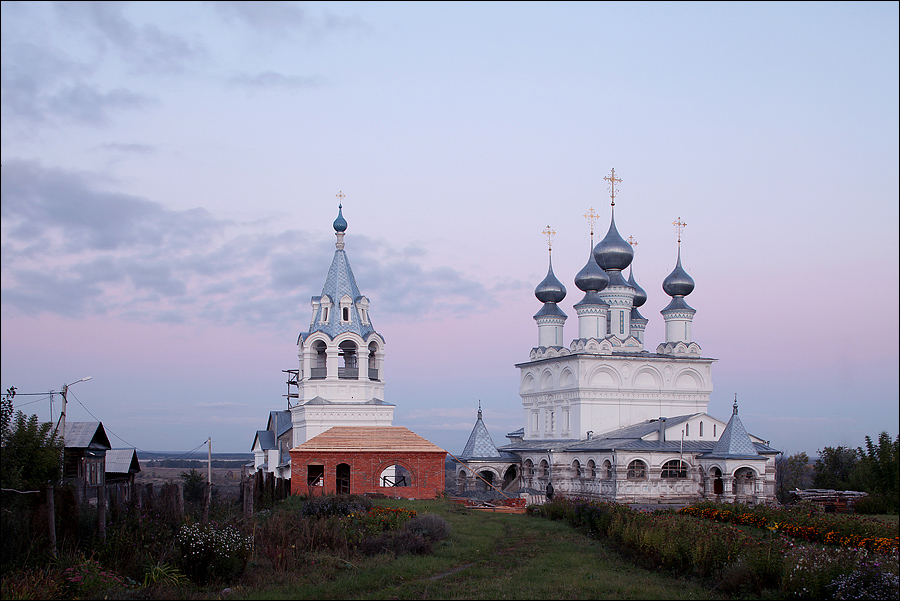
390 460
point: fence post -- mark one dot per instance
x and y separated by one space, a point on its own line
51 520
247 488
101 510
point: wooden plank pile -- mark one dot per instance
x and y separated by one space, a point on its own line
834 501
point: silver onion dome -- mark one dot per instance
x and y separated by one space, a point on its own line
340 224
613 252
591 277
640 295
550 290
678 283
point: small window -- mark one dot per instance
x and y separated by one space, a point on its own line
592 468
637 470
714 430
576 465
687 429
607 466
345 313
324 313
701 429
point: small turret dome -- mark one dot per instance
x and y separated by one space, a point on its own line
340 224
640 295
591 277
613 252
678 283
550 290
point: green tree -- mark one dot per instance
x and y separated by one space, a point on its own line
880 465
31 451
835 467
792 472
194 486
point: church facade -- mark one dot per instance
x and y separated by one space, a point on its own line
606 418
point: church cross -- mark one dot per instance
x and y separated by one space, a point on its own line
632 241
591 216
679 226
549 233
340 196
613 180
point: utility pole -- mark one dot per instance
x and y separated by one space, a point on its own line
209 461
62 422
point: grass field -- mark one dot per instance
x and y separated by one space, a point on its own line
487 556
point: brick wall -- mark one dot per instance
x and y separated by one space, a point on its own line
426 472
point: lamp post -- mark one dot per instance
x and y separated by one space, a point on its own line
62 423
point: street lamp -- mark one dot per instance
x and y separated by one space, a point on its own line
62 415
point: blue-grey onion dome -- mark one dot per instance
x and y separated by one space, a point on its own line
550 290
591 277
613 252
678 283
640 295
340 224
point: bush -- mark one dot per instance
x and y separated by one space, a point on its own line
875 505
340 505
208 553
432 528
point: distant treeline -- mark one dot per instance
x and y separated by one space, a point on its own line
193 463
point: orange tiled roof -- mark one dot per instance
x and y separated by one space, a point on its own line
368 438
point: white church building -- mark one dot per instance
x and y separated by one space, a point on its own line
340 378
604 417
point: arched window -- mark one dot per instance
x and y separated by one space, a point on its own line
350 370
592 468
701 429
373 361
674 469
637 470
576 466
345 313
714 430
607 467
687 429
318 370
529 468
545 468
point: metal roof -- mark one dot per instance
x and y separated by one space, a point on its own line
480 444
83 435
122 461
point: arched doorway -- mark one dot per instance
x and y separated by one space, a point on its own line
718 485
487 479
509 477
342 479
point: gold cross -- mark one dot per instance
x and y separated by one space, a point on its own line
613 180
549 233
679 225
340 196
591 216
632 241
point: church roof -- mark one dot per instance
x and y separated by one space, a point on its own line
734 441
339 283
320 401
480 444
368 439
266 439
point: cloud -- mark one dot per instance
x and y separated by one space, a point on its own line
135 149
41 87
146 48
75 247
270 80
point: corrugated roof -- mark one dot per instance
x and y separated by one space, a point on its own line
122 461
368 438
266 440
82 435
